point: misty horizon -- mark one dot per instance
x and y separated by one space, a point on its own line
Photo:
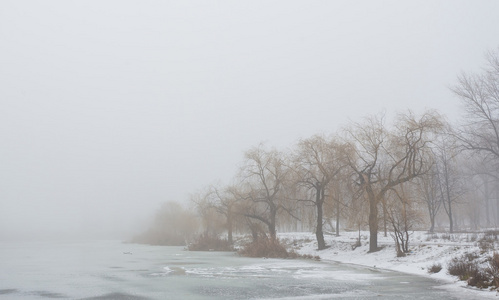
110 110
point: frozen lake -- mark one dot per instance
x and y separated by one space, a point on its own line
113 270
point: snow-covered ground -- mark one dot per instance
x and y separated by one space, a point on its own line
426 250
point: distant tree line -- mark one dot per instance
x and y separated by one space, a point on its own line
385 175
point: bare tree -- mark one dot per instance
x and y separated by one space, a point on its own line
224 200
383 159
479 94
429 193
357 211
484 178
317 162
265 175
210 221
449 175
340 195
403 216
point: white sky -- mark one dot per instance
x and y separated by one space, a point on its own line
109 108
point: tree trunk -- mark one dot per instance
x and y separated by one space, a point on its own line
272 231
432 221
432 213
449 200
405 245
451 223
321 244
373 225
338 218
497 206
487 217
254 231
229 227
400 253
359 233
385 213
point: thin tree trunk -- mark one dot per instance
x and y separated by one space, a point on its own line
451 221
487 194
229 227
338 218
321 244
405 246
449 201
497 206
272 231
359 233
384 217
254 231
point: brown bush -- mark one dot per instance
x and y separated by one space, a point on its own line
486 244
493 269
265 247
210 243
435 268
479 279
309 256
464 266
468 268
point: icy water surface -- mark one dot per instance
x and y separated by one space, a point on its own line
113 270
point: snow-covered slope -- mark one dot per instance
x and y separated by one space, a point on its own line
426 250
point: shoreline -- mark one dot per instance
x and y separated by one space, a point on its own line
426 250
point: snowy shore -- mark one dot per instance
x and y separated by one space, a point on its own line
426 250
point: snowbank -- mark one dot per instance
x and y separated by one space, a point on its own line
426 250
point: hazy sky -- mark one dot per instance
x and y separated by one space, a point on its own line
109 108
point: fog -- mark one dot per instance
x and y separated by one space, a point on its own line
110 108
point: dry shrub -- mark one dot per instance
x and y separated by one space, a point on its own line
310 256
464 266
435 268
470 256
265 247
486 244
207 242
493 269
468 268
479 279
